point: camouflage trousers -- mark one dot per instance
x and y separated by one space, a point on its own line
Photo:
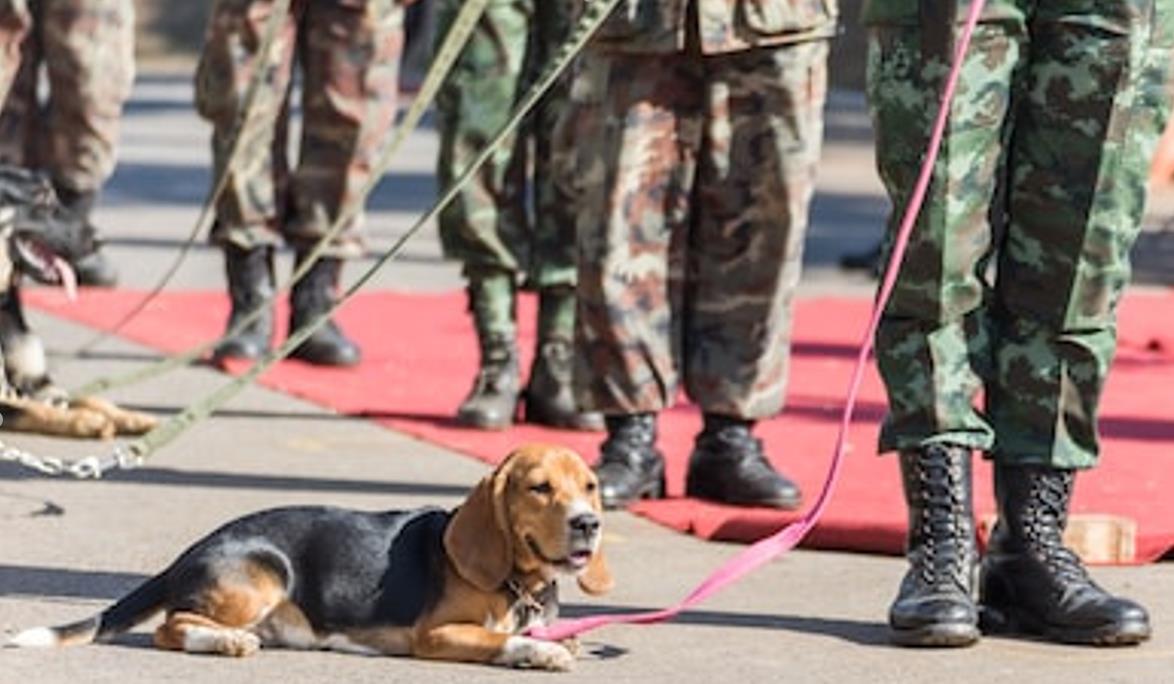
514 214
348 55
87 50
1021 254
694 176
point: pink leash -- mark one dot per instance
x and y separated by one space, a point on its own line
765 550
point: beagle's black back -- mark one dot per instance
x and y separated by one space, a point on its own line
341 567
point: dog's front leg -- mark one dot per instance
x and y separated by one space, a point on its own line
474 643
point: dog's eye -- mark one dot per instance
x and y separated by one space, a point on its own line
591 487
541 488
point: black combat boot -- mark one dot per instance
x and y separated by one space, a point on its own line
1031 583
728 465
250 286
493 401
550 398
630 467
935 604
93 269
311 297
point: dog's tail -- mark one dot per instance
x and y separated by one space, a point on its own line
130 610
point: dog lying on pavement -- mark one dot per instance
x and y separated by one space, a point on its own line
428 583
38 239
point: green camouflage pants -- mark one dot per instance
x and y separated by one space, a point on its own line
348 52
491 223
87 50
694 176
1057 113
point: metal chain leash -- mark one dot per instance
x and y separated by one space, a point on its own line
136 453
89 467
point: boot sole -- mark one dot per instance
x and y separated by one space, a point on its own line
481 424
653 491
1003 620
936 636
234 353
477 422
789 504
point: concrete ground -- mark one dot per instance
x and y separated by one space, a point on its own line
68 548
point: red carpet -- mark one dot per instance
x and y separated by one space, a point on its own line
420 356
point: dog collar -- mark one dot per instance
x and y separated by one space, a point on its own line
529 607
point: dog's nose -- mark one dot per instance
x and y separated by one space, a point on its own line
586 524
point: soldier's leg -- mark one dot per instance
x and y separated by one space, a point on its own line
88 48
1096 98
249 208
485 227
754 186
931 343
349 53
551 264
639 128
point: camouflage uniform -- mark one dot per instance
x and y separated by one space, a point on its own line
490 224
1042 177
510 225
348 51
698 125
1049 138
87 47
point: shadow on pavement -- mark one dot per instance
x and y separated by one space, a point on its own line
854 631
166 477
33 581
135 184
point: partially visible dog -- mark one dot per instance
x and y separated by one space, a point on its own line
38 239
426 583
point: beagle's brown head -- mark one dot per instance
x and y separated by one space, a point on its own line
539 512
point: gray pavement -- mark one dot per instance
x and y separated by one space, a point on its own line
68 548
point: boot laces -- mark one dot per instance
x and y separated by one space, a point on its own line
735 440
555 357
628 444
1044 522
942 524
493 374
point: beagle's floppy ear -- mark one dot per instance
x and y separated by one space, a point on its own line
596 578
478 540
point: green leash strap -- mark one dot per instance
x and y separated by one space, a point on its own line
442 64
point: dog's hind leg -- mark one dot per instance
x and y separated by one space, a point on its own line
196 633
222 617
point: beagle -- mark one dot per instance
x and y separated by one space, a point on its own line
461 585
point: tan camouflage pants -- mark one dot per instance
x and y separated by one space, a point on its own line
87 50
695 176
348 53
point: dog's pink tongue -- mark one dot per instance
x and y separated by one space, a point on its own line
67 276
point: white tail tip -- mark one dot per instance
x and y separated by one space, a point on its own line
37 637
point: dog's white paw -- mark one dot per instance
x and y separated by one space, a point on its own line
534 653
238 643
